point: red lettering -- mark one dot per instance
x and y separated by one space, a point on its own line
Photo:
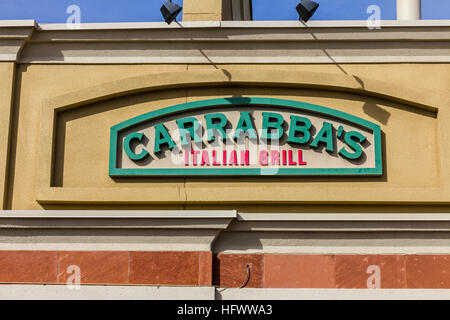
245 157
300 158
224 157
205 158
291 161
263 157
274 157
233 158
194 157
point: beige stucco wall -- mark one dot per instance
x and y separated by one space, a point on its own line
6 97
202 10
416 142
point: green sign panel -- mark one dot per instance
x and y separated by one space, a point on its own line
245 136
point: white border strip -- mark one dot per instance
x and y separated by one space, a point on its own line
117 214
17 23
63 292
334 294
343 217
224 24
186 214
130 25
244 24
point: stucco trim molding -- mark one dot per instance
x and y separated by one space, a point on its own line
207 42
332 294
220 77
254 42
337 233
87 292
60 292
353 217
109 230
224 231
342 222
13 37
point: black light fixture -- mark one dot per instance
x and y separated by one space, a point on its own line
306 9
170 11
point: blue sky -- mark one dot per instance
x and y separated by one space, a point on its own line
54 11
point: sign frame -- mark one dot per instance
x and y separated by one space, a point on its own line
248 101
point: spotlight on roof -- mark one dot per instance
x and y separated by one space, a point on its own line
306 9
170 11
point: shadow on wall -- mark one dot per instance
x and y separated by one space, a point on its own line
372 110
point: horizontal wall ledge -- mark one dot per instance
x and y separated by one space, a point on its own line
334 23
18 23
343 222
117 214
13 36
112 230
263 33
237 52
225 232
63 292
90 219
344 217
406 233
130 25
207 42
239 24
333 294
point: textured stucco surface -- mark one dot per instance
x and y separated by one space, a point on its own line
414 154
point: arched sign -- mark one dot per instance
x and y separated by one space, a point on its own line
245 136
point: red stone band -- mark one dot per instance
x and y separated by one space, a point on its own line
225 270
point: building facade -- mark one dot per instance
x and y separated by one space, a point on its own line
90 193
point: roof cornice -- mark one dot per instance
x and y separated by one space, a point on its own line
225 42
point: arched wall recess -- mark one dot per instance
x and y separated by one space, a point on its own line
278 78
174 80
